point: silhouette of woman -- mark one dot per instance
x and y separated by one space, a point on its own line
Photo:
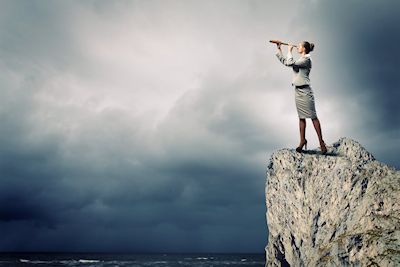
304 95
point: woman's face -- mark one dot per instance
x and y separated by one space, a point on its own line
300 48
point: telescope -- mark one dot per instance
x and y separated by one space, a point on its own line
279 42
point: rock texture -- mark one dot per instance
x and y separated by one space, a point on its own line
339 209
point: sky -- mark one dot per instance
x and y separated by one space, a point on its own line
147 126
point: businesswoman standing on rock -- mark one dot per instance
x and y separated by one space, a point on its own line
304 95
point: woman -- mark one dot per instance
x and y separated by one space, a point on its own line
304 96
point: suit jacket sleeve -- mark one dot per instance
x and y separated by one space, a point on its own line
302 62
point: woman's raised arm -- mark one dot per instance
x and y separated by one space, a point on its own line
302 62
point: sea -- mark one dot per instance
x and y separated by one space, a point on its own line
116 260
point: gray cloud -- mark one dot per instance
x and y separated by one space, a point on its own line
146 125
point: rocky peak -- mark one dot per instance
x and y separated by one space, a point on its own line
338 209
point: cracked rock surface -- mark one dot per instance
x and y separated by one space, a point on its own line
338 209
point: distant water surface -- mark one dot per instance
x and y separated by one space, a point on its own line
108 260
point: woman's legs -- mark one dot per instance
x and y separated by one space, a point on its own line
317 126
302 126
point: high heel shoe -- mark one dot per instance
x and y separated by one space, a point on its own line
323 148
300 148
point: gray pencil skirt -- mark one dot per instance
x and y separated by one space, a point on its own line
305 104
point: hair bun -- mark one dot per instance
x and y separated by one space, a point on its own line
311 47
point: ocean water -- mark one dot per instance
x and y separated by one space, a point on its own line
114 260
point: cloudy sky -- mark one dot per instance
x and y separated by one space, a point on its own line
146 126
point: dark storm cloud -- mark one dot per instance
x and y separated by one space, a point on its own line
358 40
88 162
69 189
362 43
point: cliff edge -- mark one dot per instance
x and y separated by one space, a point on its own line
339 209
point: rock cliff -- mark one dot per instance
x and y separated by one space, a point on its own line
339 209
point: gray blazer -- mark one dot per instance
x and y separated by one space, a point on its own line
301 67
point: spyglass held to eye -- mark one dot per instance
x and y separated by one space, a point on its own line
280 42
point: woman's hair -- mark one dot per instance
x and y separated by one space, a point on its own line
308 46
